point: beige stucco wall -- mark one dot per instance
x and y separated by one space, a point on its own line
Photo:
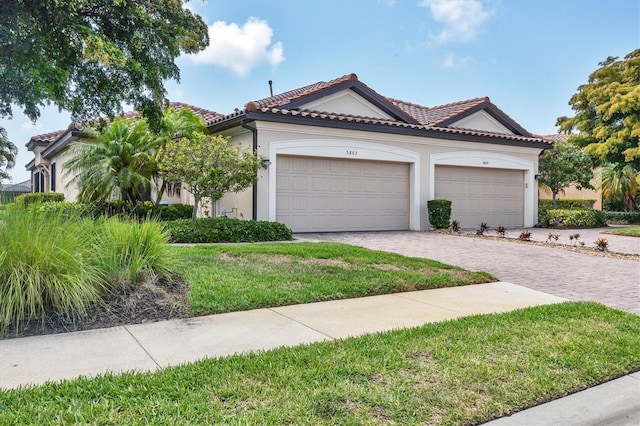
574 193
418 150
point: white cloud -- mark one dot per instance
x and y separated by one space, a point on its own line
461 19
241 48
453 61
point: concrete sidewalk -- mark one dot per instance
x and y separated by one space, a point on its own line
147 347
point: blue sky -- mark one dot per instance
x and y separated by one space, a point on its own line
528 56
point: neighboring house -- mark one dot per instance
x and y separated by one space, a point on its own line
342 157
51 154
571 192
9 191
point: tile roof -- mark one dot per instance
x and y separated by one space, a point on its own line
297 94
17 187
556 137
207 115
394 123
438 114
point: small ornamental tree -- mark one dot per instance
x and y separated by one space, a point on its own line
563 165
208 166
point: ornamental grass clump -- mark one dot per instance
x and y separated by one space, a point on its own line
129 252
45 266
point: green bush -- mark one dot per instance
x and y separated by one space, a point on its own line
563 204
576 218
225 230
439 213
37 197
567 203
130 252
142 210
626 217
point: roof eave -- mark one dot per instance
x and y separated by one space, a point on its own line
62 142
448 134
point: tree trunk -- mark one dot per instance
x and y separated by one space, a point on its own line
194 214
553 196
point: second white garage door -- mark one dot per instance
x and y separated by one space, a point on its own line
331 194
494 196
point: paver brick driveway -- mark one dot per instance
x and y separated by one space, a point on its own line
575 276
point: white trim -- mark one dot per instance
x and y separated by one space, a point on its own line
350 150
489 160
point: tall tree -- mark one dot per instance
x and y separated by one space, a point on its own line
90 56
118 166
563 165
607 119
208 166
8 152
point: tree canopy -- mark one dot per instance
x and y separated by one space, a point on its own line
208 166
8 152
90 56
607 108
563 165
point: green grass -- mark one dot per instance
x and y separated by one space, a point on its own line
225 278
630 231
466 371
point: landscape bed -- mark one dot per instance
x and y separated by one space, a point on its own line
464 371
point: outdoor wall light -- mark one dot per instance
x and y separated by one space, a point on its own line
537 176
265 163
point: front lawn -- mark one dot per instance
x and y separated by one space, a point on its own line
630 231
225 278
465 371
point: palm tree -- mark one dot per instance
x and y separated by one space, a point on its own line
119 166
176 124
620 182
8 152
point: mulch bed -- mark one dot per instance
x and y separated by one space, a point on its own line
156 300
578 249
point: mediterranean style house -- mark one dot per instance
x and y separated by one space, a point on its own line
342 157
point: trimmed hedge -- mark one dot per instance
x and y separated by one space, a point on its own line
576 218
567 203
439 213
563 204
140 212
629 217
24 200
225 230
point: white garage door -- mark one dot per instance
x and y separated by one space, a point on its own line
330 194
494 196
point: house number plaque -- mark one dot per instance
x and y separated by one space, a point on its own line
352 152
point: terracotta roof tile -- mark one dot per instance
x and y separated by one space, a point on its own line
48 137
393 123
556 137
438 114
297 94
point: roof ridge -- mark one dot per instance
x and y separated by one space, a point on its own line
466 101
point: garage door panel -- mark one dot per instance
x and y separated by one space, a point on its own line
494 196
319 194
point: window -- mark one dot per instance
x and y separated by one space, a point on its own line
53 177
